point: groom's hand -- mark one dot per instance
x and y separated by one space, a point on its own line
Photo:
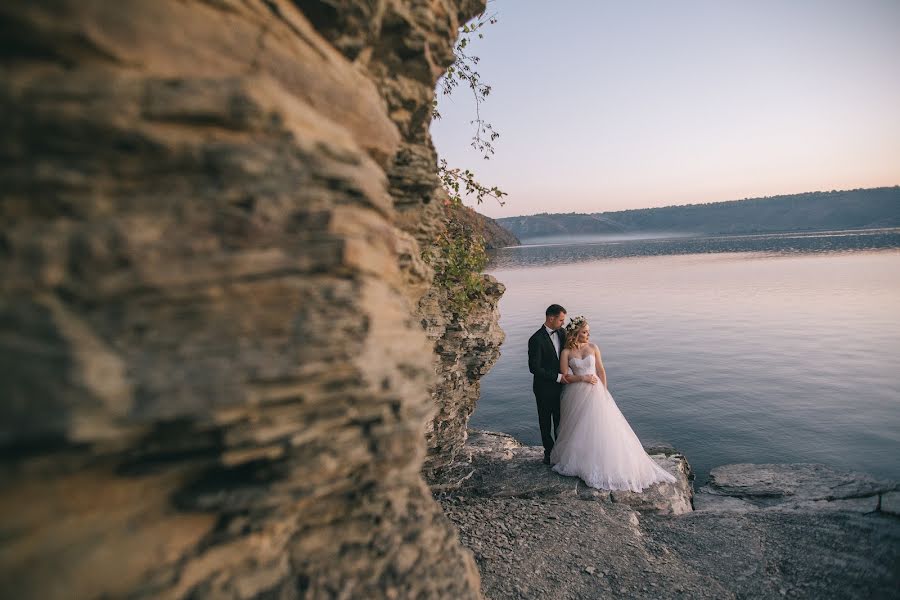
565 379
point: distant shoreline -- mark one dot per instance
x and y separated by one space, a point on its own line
638 236
581 248
876 208
714 203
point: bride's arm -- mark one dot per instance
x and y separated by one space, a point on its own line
564 365
601 371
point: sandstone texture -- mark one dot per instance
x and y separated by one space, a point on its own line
535 534
214 371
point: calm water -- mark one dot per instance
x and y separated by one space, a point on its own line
763 348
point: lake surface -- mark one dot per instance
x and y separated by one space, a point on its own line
760 348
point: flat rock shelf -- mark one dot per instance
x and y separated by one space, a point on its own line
754 531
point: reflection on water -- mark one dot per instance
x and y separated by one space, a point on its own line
565 252
735 349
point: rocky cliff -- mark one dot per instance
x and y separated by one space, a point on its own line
214 371
466 346
494 235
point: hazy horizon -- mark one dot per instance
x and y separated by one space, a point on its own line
588 212
610 107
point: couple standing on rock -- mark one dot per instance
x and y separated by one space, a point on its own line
590 437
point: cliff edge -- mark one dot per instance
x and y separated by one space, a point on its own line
755 531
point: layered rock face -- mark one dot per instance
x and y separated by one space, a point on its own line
466 346
214 379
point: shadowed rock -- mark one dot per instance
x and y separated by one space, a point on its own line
214 376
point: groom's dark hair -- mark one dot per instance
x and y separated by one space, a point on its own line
554 309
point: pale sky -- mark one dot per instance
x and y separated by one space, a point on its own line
613 105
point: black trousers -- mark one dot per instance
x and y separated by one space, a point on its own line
548 413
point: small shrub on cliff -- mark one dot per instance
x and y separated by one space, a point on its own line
458 257
458 254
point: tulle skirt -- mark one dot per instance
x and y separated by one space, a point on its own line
596 443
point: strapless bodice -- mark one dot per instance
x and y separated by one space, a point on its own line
582 366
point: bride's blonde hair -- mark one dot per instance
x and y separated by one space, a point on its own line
573 329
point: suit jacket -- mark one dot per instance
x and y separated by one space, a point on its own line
543 361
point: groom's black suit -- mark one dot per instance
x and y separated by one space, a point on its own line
543 362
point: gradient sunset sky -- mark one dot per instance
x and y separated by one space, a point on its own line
614 105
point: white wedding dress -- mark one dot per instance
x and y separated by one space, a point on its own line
596 443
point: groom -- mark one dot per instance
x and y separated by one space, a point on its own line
543 361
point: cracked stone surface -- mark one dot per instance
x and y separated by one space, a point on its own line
797 485
502 467
535 536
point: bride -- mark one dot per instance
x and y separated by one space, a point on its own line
594 441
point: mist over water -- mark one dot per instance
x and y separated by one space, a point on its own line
764 348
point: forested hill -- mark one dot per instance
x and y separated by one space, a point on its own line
851 209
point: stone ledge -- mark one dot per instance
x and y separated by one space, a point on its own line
535 533
795 486
497 465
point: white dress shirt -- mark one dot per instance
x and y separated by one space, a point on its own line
555 340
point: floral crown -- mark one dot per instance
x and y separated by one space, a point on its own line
574 324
